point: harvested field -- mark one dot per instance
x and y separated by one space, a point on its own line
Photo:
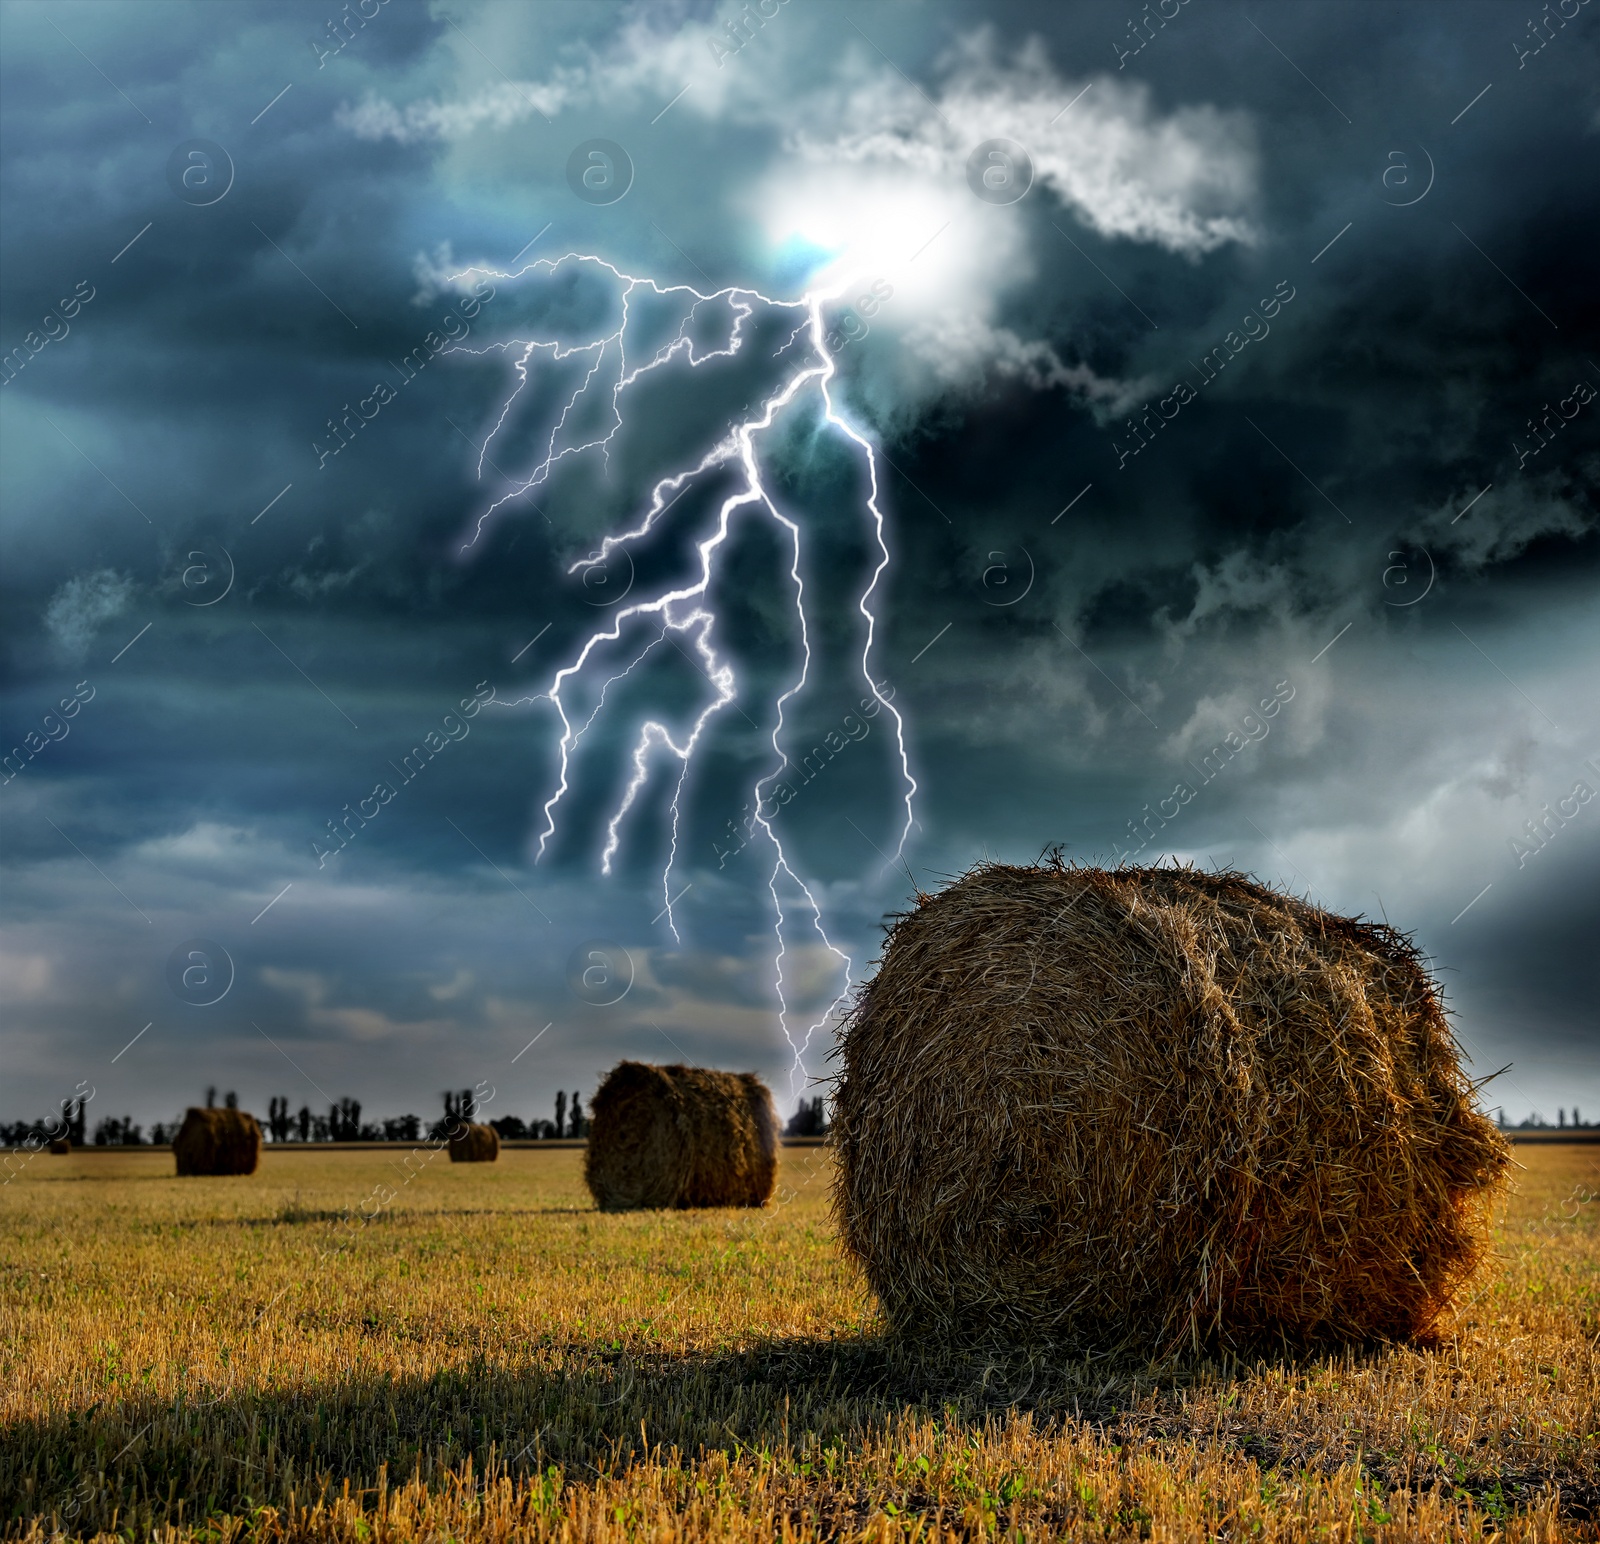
490 1357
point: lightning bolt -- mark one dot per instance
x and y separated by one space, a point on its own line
683 612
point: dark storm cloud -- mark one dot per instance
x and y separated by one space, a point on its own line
1261 525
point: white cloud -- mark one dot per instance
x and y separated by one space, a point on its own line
1186 181
882 196
449 990
870 179
25 977
347 1022
81 605
498 106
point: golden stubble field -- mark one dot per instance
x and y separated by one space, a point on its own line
490 1358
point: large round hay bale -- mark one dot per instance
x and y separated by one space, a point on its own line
474 1143
1156 1108
213 1141
680 1136
60 1146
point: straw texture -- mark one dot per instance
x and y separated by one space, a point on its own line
680 1136
1156 1109
474 1142
212 1141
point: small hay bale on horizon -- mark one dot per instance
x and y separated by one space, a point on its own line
217 1141
1156 1109
680 1136
60 1145
473 1142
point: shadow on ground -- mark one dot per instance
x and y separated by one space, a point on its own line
589 1409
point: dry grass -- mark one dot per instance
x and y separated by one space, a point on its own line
491 1358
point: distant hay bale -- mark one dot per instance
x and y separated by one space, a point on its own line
680 1136
474 1143
1156 1109
212 1141
60 1145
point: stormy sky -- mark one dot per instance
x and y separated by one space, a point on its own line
1194 399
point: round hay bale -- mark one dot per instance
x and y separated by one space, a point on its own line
60 1145
680 1136
212 1141
474 1143
1157 1109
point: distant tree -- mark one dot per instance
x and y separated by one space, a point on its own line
402 1128
231 1100
303 1122
278 1121
578 1125
809 1120
211 1098
321 1131
459 1108
561 1113
511 1128
344 1121
112 1132
73 1114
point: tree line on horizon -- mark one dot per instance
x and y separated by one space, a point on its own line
342 1123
